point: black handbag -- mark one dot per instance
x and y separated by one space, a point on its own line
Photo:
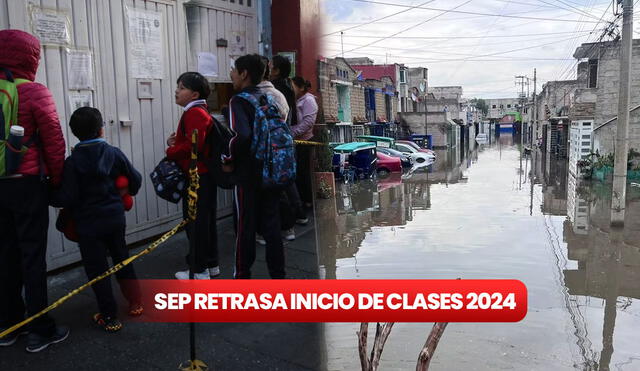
169 181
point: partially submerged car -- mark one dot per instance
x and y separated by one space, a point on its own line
405 159
387 164
417 147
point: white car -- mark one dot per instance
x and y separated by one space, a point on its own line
417 157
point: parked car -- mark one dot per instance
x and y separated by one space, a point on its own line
417 157
388 164
405 159
416 146
355 160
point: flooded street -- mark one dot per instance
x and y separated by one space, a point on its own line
475 214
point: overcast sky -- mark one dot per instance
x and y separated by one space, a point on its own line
484 65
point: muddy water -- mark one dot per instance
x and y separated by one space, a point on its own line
482 213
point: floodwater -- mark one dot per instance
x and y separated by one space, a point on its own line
479 212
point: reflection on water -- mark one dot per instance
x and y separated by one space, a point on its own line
481 212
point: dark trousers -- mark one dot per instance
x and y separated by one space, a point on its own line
94 250
295 202
203 232
303 173
288 212
257 209
24 221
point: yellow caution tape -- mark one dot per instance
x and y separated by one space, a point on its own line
192 201
310 143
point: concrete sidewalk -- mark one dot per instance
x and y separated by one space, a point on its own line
163 346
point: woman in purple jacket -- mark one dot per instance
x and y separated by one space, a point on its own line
307 111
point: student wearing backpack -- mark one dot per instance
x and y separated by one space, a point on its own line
290 203
90 191
191 94
24 195
279 72
256 207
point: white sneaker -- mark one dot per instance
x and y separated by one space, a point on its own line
214 272
260 239
289 234
184 275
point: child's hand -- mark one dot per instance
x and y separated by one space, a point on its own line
171 140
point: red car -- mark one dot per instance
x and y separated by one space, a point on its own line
414 145
388 164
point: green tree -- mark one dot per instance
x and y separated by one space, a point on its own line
481 104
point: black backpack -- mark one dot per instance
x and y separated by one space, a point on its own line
218 143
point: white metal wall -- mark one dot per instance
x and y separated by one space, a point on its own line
580 143
100 26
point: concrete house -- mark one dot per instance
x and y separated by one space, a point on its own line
597 96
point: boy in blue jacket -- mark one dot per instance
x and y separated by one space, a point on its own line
88 190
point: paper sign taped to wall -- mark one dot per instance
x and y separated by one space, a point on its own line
51 27
238 43
79 70
80 99
145 44
208 64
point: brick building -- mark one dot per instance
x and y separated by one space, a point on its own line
351 102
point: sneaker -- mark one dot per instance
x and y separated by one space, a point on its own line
260 240
289 234
11 339
36 343
135 309
214 272
184 275
302 220
109 324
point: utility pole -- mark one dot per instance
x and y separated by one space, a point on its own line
620 166
522 101
535 109
342 42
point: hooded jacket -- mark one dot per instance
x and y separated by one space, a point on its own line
36 107
88 185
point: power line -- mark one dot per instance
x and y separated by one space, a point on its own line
502 52
578 11
461 37
442 49
565 70
528 4
379 19
475 13
411 27
465 18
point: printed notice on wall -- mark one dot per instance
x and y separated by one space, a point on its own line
79 70
80 99
51 27
208 64
238 44
145 44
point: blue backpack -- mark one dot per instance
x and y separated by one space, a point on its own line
272 142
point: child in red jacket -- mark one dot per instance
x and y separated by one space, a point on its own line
191 94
